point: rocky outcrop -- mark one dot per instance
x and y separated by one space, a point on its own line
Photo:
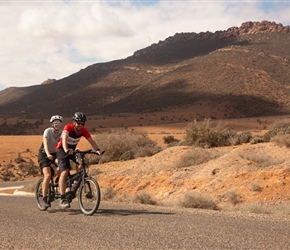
258 28
231 33
48 81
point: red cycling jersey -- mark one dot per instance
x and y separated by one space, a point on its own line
73 136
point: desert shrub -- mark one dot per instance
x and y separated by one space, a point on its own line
245 136
205 134
194 156
144 198
263 159
94 171
257 208
32 169
255 187
232 197
124 197
196 200
30 187
108 193
7 174
92 159
19 159
282 140
268 135
257 139
282 209
279 127
124 145
169 139
234 140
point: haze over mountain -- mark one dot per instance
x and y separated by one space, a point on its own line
241 72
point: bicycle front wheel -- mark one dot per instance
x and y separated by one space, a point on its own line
38 195
89 196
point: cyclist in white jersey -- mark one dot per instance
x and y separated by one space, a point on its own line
47 153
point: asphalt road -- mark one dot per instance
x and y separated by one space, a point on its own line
126 226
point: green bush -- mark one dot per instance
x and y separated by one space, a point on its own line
205 134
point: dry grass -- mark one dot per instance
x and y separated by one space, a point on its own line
232 197
30 188
255 187
122 145
144 197
257 208
206 134
263 159
197 200
108 193
282 140
195 156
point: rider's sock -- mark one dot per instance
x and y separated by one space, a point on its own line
62 197
44 198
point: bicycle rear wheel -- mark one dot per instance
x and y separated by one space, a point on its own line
38 195
89 196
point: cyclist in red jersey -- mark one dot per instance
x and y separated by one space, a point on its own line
65 147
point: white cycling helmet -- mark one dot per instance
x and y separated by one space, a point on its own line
55 117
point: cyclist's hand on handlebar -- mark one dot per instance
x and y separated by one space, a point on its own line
70 151
99 152
50 157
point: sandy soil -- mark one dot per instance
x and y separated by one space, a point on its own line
232 171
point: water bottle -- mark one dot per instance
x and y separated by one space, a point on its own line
78 156
74 186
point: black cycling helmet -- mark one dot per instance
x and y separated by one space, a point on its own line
79 117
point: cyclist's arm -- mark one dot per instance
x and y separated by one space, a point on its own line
94 144
65 145
45 145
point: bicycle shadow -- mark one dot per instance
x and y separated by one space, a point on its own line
110 212
128 212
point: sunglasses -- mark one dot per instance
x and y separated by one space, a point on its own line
57 123
80 123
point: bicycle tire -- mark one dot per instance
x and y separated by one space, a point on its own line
38 195
89 196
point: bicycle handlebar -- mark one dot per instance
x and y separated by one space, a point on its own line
89 151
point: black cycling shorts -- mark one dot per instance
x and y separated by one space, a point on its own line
64 159
44 161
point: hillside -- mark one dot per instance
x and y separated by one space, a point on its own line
241 72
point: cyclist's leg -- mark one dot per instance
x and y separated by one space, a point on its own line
44 163
56 172
47 176
64 166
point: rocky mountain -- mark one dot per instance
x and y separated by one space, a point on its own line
241 72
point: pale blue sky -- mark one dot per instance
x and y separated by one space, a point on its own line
54 38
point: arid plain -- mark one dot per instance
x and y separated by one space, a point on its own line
231 172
